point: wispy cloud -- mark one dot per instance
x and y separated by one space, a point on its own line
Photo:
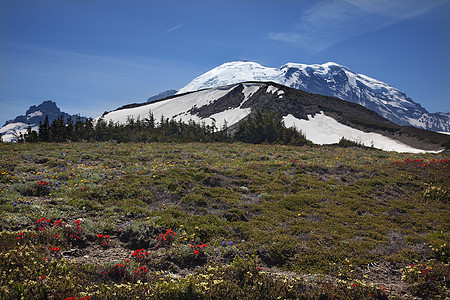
328 22
398 9
176 27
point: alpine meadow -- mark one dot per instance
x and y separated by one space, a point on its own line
212 220
212 150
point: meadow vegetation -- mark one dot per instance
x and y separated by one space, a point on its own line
222 220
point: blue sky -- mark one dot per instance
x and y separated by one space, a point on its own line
90 56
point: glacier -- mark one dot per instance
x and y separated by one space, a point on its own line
330 79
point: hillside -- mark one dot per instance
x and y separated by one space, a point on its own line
323 119
211 221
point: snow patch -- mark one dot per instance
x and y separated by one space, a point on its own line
13 126
249 90
170 108
351 79
271 89
178 108
322 129
8 130
35 114
231 116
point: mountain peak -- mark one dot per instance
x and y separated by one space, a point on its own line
162 95
330 79
47 106
33 116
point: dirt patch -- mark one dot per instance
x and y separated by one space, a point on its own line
342 174
384 274
98 255
163 198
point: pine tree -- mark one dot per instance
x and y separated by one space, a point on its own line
44 130
31 136
69 129
58 130
150 121
267 127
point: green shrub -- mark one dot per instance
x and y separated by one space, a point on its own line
427 280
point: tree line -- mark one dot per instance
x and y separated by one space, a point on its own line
259 127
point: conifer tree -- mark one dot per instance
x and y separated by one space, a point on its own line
44 130
31 136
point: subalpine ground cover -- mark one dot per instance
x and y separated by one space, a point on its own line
222 221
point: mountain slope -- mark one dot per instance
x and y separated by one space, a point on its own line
323 119
33 116
329 79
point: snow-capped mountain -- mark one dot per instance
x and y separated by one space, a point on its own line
33 116
162 95
323 119
329 79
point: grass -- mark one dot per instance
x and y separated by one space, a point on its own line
304 222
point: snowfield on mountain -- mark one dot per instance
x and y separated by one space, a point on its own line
330 79
230 104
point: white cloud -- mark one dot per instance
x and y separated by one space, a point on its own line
176 27
398 9
330 21
301 41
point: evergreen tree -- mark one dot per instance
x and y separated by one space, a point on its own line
259 127
44 130
69 128
18 137
150 121
58 130
31 136
267 127
100 130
